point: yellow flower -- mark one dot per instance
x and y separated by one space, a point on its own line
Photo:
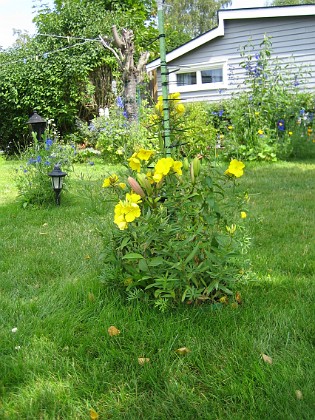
243 214
290 133
110 181
132 211
230 127
157 177
134 163
309 131
260 132
180 108
163 166
144 154
257 113
235 168
175 95
119 152
177 167
133 198
122 185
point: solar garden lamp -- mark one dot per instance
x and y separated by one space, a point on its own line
37 125
57 181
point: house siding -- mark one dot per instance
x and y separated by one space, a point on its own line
290 37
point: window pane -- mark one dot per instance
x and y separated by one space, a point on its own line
212 76
186 79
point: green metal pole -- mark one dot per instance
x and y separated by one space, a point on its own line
164 80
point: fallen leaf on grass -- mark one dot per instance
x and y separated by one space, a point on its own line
299 394
93 414
113 331
238 297
266 359
91 297
182 351
143 360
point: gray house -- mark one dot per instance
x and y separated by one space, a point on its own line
207 68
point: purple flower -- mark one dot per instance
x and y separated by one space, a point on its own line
125 114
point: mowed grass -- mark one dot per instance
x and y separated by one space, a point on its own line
61 362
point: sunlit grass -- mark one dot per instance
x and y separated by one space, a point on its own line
61 362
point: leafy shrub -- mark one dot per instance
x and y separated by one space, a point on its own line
181 229
32 180
190 131
264 122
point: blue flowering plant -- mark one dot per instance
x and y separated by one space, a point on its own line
32 180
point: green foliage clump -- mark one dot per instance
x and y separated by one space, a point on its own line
181 230
272 119
191 134
40 158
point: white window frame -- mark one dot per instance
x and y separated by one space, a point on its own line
198 68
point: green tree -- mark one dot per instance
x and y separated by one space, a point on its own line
186 19
290 2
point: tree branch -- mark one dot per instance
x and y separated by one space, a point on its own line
106 45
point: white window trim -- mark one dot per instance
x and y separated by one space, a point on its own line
199 86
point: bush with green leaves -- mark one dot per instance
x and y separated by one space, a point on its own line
192 133
261 122
180 230
113 136
40 158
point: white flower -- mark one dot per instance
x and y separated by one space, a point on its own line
17 347
14 330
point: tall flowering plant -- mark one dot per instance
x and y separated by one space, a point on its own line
179 229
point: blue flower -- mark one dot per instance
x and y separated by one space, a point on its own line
119 102
257 56
302 112
91 163
280 125
47 163
38 159
221 112
125 114
31 161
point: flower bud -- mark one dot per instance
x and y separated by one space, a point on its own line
186 164
192 174
197 166
135 186
144 182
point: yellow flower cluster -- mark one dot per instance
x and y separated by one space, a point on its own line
136 158
127 211
164 166
236 168
174 104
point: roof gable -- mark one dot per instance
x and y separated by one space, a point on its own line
225 14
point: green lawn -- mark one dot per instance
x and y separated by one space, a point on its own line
61 362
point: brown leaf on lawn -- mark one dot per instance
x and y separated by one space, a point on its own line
113 331
266 359
143 360
238 297
91 297
93 414
299 394
182 351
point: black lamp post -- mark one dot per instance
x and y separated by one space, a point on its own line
37 125
57 180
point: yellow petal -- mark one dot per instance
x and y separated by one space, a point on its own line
113 331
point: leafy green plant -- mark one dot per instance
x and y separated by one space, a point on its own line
181 228
258 124
32 180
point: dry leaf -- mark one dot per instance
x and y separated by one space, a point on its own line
87 257
299 394
267 359
113 331
182 351
91 297
143 360
93 414
238 297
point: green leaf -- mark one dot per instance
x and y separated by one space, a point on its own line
132 256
